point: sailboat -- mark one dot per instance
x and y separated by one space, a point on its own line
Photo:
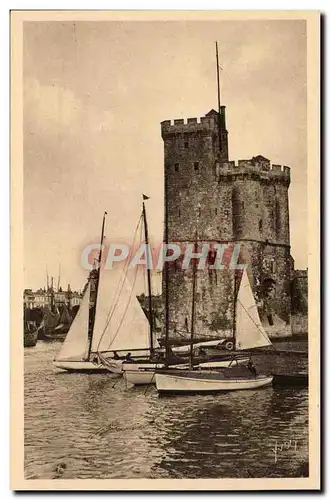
122 332
144 373
129 330
76 352
73 355
248 334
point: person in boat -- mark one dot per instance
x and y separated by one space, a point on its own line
201 352
128 357
252 368
115 355
95 360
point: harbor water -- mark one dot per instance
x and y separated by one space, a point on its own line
80 426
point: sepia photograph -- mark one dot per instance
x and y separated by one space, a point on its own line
165 281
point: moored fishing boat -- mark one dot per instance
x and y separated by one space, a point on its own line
30 334
248 333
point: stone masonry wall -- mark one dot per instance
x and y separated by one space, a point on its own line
225 202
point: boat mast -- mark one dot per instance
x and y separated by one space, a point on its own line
166 276
59 278
52 304
234 308
146 237
192 329
218 91
92 322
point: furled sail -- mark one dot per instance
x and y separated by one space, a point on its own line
120 323
249 331
51 320
75 346
65 317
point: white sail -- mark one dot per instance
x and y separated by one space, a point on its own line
75 345
249 331
120 323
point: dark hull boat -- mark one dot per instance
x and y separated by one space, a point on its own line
55 325
30 334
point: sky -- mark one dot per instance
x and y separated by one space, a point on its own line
94 96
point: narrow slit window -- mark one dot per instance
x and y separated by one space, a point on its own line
196 166
260 225
186 144
176 167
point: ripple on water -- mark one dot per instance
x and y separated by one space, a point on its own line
91 426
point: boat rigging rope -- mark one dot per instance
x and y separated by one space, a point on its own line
128 302
120 286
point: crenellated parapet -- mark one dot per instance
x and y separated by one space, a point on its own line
261 170
206 124
192 125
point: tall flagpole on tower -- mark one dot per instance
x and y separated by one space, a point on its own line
218 89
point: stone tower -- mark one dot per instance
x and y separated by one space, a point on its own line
217 201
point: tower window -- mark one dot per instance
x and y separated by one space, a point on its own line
199 211
186 144
176 167
216 211
196 166
277 217
260 225
179 212
242 205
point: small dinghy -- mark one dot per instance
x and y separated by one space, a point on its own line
196 381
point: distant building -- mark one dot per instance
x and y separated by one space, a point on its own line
76 299
42 298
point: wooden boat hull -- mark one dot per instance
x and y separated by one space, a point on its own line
144 374
79 366
204 382
30 338
224 363
296 380
114 366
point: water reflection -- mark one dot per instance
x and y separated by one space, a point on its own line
98 428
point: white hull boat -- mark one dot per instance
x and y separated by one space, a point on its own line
190 381
248 333
143 374
113 365
78 366
224 363
74 355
